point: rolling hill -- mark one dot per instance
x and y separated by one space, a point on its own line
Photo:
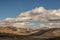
12 33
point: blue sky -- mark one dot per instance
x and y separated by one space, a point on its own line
12 8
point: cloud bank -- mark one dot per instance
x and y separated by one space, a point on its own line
26 19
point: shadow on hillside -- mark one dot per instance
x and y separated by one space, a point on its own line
55 38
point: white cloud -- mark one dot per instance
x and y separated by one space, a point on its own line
22 19
25 14
50 25
24 25
39 10
35 15
9 19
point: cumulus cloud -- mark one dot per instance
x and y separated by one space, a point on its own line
50 25
39 14
9 19
35 15
22 18
23 25
39 10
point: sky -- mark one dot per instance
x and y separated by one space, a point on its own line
12 8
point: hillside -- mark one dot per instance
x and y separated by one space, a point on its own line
14 30
12 33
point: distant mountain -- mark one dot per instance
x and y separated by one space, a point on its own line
12 33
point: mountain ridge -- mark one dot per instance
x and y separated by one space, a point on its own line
41 34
